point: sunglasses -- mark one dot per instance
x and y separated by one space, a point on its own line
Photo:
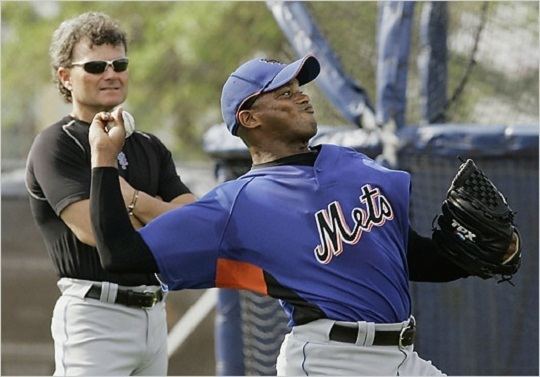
99 66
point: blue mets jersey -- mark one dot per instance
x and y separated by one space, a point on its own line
328 240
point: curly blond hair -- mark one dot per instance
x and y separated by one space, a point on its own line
97 27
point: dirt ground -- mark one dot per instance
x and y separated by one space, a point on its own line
29 293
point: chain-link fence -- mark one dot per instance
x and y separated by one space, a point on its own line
492 57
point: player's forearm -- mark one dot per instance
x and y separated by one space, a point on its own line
120 247
103 159
426 264
148 208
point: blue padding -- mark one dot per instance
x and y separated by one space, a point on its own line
220 144
470 140
433 61
466 140
228 334
393 44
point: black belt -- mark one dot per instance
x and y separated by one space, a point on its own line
401 338
128 297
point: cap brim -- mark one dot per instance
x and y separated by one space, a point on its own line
305 70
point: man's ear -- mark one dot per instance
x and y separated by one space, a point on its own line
64 76
247 119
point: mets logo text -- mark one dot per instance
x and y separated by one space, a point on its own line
333 229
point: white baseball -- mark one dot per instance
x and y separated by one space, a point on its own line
129 123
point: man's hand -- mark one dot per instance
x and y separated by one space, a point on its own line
106 137
513 248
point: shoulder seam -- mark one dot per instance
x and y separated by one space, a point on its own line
144 134
28 190
64 127
35 196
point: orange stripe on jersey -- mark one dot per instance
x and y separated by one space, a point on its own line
242 275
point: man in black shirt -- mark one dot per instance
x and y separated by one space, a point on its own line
105 323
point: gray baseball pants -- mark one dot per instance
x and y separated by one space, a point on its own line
99 338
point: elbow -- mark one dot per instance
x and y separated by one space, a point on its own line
82 233
85 238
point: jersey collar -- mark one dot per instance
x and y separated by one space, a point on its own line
304 159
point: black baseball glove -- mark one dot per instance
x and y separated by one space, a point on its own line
476 227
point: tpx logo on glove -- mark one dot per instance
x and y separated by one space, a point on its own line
462 232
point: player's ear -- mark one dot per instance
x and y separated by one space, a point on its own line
247 119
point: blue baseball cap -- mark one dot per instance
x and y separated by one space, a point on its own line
259 76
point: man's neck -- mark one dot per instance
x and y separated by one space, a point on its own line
86 114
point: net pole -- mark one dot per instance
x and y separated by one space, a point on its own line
394 36
228 334
433 61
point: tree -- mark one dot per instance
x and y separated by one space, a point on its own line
180 55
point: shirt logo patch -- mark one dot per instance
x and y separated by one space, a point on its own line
334 230
122 160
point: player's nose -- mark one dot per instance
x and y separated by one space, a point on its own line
302 98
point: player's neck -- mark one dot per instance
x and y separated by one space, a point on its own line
269 153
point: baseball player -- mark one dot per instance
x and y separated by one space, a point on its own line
324 229
105 322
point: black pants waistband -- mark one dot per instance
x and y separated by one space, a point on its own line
128 297
402 338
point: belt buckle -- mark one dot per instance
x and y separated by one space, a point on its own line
154 297
406 335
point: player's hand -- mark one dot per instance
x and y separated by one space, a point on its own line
106 137
513 248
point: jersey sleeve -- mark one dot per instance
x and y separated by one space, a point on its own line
58 171
185 242
170 184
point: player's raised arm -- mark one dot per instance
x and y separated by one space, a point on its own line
120 247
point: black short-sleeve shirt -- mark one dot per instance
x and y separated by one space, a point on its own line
58 173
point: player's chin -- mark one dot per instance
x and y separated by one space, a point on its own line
312 124
309 131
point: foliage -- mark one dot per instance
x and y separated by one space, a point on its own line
180 52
